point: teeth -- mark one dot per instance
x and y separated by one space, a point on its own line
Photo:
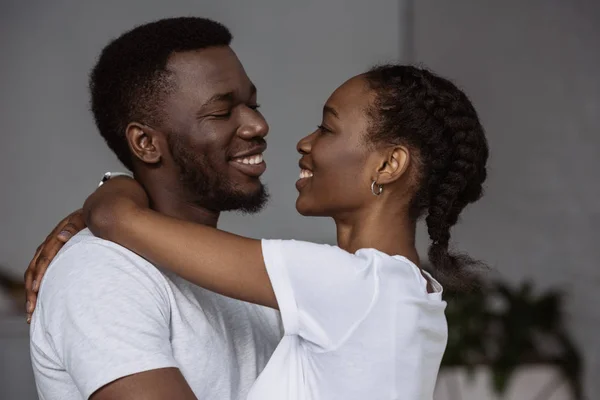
304 173
251 160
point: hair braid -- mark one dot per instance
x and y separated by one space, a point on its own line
431 115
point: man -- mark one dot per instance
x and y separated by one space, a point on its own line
173 102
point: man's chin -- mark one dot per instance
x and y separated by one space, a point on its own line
251 207
246 202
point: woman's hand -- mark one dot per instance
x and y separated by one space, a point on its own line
106 208
46 252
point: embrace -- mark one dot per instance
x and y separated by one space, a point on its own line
139 296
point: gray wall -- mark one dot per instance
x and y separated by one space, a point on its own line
532 69
52 156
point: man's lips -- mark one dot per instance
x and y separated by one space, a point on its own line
251 165
258 149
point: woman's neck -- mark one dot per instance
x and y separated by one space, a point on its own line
388 233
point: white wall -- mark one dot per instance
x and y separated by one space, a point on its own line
532 69
52 156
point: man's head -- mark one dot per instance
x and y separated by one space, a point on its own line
174 103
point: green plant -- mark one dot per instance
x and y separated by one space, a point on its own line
504 327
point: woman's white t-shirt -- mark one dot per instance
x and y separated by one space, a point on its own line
357 326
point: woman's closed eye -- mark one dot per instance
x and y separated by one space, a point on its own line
323 129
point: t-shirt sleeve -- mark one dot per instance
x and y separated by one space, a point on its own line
323 292
105 316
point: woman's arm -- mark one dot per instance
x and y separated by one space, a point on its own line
218 261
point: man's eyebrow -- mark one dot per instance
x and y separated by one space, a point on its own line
330 110
219 97
228 97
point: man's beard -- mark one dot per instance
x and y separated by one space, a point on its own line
208 187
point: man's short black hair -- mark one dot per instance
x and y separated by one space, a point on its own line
130 80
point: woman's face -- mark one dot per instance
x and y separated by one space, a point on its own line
337 166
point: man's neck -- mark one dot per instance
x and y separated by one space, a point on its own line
168 201
167 204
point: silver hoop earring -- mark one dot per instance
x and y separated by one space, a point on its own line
379 189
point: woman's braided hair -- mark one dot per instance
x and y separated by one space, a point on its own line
430 115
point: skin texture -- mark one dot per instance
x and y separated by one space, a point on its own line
211 118
344 166
187 170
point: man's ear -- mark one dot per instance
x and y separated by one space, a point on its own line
393 165
144 142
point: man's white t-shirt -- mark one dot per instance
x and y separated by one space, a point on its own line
357 326
104 313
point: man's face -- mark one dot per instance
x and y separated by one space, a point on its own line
214 130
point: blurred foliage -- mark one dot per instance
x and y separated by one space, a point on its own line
504 327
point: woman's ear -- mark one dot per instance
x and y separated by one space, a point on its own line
394 165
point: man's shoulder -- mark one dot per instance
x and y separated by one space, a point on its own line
90 262
85 242
85 249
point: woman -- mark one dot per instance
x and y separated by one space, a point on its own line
361 319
